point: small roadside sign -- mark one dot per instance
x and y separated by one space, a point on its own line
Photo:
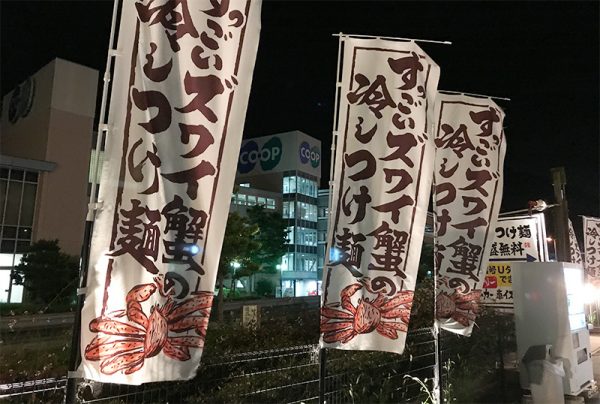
516 239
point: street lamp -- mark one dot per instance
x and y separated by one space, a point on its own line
235 265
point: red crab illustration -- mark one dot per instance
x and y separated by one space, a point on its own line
380 314
461 307
125 345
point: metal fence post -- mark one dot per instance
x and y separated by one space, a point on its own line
500 345
75 357
322 374
438 368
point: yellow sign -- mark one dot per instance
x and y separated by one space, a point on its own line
498 275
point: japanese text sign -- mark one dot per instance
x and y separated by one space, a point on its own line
469 158
381 190
177 110
516 239
574 245
591 242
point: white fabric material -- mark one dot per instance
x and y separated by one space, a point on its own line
469 158
177 110
381 190
574 245
591 243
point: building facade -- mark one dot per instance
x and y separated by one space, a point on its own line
289 164
46 131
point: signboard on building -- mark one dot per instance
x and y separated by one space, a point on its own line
280 152
517 239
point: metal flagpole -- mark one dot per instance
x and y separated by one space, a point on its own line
334 137
473 94
75 355
435 330
390 38
438 369
334 133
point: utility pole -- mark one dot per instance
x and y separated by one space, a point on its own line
561 214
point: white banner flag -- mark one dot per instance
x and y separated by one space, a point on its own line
469 158
177 110
382 182
591 243
574 245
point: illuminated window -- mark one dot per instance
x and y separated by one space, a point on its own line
290 235
289 185
306 236
18 190
306 262
307 187
306 211
288 210
287 262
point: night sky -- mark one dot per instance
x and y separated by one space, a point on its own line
542 55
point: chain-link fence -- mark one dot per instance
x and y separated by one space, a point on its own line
236 367
34 351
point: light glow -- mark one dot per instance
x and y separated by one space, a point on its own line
591 293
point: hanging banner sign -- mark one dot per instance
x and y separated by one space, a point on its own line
591 242
516 239
574 245
469 159
177 110
381 191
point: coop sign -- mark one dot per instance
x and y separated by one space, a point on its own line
310 154
268 156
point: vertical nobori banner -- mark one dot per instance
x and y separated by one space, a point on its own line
574 245
469 158
177 110
382 182
591 244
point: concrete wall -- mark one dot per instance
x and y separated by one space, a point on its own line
57 129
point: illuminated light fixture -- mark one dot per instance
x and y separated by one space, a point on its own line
235 265
334 254
591 293
539 205
190 249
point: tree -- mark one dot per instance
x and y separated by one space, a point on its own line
254 243
272 236
238 246
49 275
